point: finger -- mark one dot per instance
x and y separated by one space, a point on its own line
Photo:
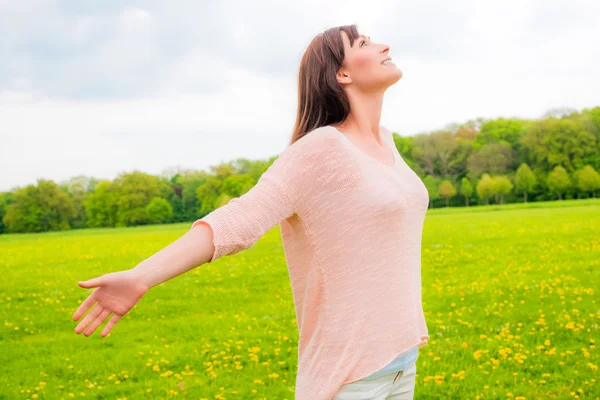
88 318
105 313
110 324
88 303
92 282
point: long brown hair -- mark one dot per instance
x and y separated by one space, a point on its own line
321 98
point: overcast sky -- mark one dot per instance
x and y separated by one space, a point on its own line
102 87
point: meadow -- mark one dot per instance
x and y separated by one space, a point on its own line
510 293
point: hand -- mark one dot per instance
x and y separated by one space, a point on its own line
423 340
117 293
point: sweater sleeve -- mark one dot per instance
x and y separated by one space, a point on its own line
241 222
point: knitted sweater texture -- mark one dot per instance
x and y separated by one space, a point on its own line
351 228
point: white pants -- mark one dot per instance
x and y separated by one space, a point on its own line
393 386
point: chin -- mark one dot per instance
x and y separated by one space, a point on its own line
395 78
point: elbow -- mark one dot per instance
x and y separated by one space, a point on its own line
207 240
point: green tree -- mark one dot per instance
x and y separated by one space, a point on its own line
434 151
525 180
485 188
255 169
405 146
159 210
77 189
594 115
565 142
590 119
171 177
501 130
501 186
222 171
432 188
587 180
190 182
447 190
92 183
237 185
39 208
494 158
101 206
176 203
135 191
223 199
207 194
466 189
558 181
6 198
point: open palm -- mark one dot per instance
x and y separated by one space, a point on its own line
117 293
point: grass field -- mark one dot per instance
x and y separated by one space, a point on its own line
511 297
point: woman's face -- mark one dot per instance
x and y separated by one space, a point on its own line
362 65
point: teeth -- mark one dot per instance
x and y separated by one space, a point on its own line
386 62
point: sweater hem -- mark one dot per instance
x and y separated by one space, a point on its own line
403 365
372 371
384 364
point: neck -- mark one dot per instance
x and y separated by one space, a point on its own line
365 114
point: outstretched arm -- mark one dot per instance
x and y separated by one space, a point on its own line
118 292
192 249
225 231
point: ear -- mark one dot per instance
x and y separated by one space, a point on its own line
342 77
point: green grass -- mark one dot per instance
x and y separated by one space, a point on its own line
510 295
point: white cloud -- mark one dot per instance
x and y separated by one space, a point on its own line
106 88
250 118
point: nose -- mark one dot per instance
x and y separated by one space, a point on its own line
386 49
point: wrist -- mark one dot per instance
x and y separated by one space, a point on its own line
139 274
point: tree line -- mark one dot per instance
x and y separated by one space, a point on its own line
482 162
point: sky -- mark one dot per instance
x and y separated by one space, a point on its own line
103 87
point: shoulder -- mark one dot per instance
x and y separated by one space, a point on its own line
315 147
319 141
319 136
309 163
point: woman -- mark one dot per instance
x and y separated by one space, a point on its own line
351 215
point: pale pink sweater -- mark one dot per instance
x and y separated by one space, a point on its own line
351 228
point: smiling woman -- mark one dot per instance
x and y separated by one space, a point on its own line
351 218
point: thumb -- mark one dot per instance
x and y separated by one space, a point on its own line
91 283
